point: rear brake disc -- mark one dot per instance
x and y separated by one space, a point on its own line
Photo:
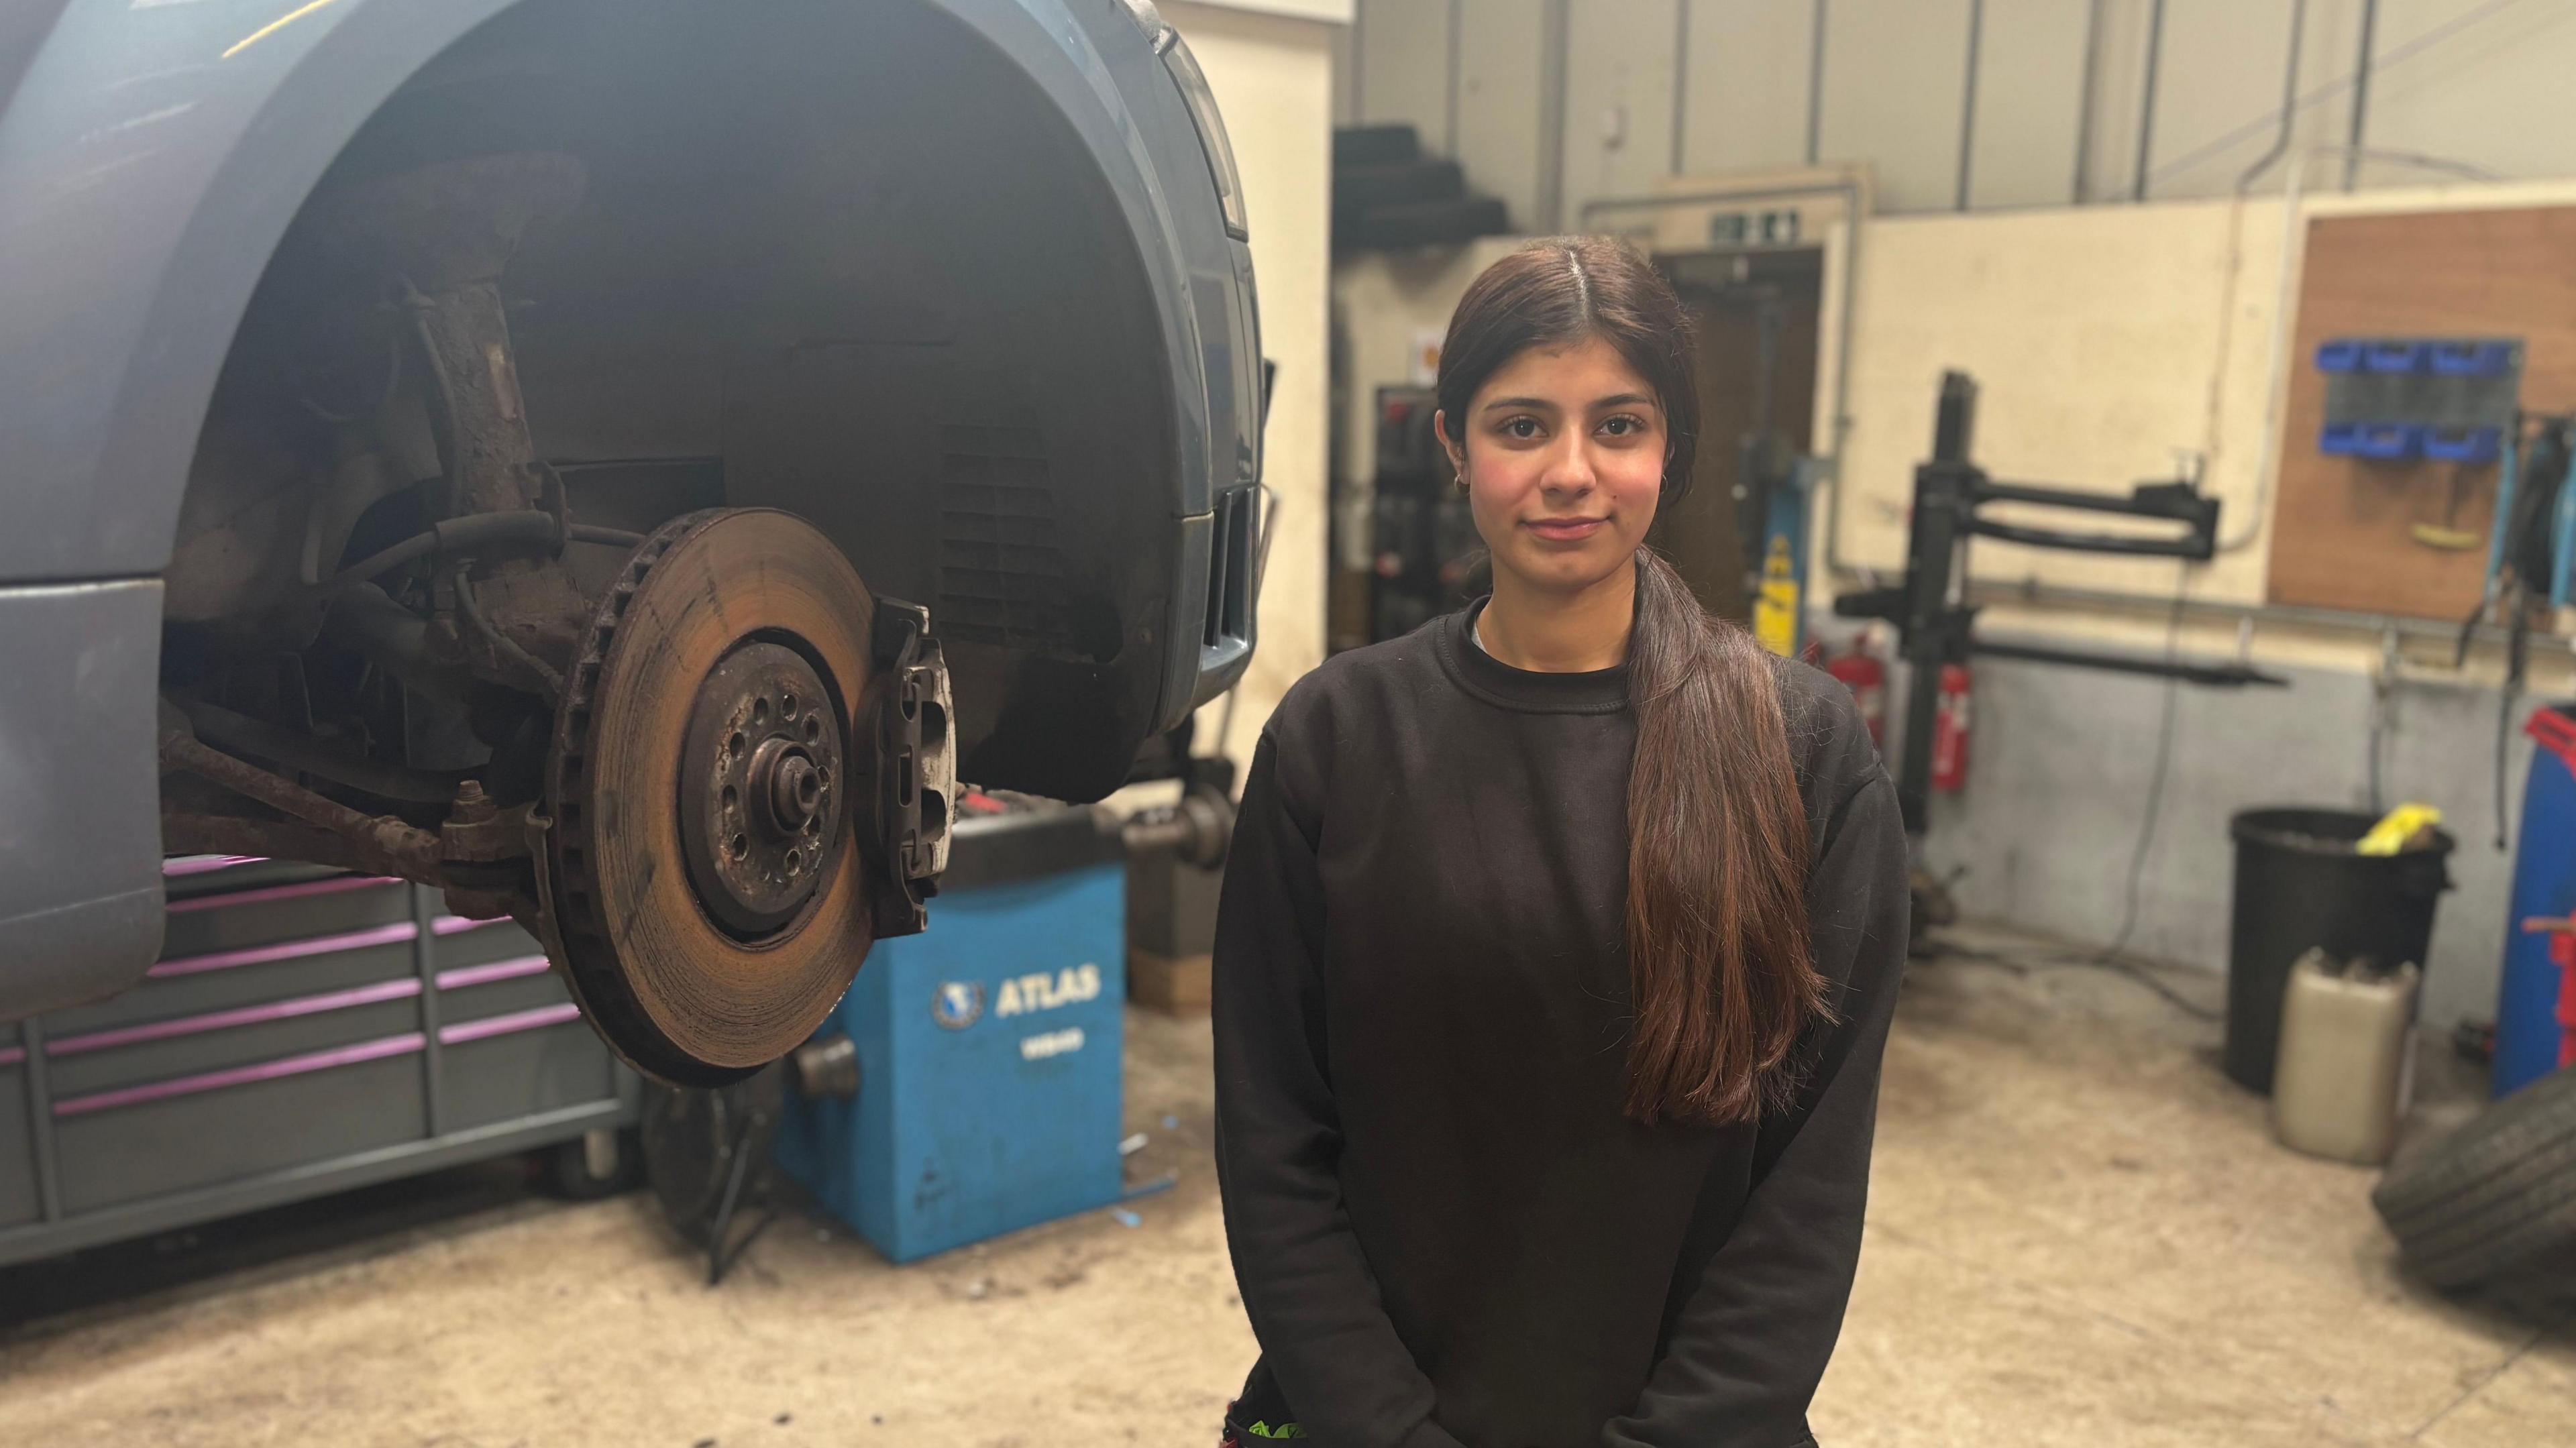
709 896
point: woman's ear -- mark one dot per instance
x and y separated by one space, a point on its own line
1457 451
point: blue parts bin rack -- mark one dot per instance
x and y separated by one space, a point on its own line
988 1048
2536 1008
2392 399
2461 444
2474 359
2397 357
2379 441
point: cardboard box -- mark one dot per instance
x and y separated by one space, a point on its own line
1176 986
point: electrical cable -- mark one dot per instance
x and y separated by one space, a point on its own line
2504 744
2113 957
2156 776
2383 690
2036 964
2219 144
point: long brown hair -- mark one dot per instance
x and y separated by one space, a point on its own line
1719 958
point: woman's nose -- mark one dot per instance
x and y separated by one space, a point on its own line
1569 469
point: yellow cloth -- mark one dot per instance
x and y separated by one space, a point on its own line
2397 827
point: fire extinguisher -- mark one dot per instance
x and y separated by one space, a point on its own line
1863 674
1950 730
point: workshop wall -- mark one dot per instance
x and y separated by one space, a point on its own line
1956 104
2107 341
2062 776
1273 78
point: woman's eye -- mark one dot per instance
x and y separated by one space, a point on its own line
1623 427
1521 427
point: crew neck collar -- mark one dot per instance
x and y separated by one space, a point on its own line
1596 691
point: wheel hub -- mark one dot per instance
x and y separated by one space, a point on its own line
761 810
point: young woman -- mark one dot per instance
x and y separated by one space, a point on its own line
1556 955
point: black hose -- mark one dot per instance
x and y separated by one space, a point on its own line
612 537
508 647
520 531
377 564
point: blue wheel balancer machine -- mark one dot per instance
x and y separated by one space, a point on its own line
987 1049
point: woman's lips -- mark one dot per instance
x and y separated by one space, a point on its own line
1565 530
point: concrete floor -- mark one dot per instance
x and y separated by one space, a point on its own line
2078 1234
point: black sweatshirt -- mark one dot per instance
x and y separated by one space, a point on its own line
1445 1229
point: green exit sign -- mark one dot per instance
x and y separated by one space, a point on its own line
1753 228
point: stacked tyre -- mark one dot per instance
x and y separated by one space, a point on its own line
2495 1201
1388 195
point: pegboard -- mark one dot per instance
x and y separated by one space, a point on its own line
2344 527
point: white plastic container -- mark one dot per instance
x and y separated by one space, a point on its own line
2346 1072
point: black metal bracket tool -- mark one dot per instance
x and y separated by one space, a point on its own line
1936 626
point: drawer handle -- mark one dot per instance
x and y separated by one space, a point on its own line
338 1000
402 1045
400 930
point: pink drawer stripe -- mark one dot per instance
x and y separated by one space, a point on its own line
453 924
513 969
334 886
12 1055
365 995
402 1045
202 864
515 1021
286 950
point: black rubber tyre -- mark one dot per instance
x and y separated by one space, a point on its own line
2495 1198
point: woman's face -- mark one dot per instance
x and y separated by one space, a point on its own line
1563 461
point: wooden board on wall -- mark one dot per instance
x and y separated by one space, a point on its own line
2343 527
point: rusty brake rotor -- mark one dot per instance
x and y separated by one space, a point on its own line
709 900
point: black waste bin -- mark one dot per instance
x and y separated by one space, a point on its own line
2300 885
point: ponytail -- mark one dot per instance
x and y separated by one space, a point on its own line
1718 954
